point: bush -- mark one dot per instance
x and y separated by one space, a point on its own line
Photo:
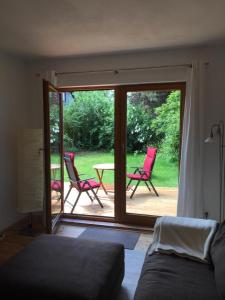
88 121
54 128
140 114
139 132
167 126
152 119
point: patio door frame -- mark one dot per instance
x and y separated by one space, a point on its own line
120 147
120 132
50 222
94 88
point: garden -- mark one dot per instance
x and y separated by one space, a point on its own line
153 119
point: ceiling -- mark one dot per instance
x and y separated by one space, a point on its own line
54 28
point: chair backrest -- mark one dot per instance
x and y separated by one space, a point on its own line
149 160
70 167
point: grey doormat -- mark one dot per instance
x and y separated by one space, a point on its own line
127 238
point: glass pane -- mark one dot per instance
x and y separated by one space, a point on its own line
89 135
55 148
153 140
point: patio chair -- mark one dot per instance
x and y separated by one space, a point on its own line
144 173
84 185
56 185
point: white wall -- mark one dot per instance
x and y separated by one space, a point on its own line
214 102
13 99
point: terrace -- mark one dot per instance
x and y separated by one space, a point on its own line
143 202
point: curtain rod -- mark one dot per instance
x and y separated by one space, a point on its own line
116 71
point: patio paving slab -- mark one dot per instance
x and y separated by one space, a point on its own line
143 202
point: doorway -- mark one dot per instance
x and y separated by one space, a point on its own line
53 159
109 129
153 141
89 134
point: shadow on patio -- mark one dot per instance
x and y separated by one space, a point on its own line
143 202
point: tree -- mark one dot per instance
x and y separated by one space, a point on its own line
167 125
88 121
139 131
149 99
54 127
140 114
152 119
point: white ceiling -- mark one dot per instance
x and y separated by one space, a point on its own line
52 28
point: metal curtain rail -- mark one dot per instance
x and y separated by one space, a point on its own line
116 71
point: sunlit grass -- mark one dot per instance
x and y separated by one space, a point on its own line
165 174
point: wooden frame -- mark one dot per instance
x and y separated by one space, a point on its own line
50 224
47 157
129 218
91 88
120 146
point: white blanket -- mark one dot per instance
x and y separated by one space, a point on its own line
187 237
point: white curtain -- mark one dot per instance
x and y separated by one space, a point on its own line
190 198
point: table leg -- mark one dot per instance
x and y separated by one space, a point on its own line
100 176
53 173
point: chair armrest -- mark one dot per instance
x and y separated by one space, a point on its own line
142 170
75 181
136 169
86 182
82 180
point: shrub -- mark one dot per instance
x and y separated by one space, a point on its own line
140 114
139 132
88 121
152 119
54 127
167 126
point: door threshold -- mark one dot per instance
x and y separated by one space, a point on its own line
89 223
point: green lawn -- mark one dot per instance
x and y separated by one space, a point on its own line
165 174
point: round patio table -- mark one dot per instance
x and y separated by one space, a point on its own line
54 169
100 168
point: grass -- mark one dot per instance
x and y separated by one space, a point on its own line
165 174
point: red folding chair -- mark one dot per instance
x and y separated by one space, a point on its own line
84 185
144 173
56 185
